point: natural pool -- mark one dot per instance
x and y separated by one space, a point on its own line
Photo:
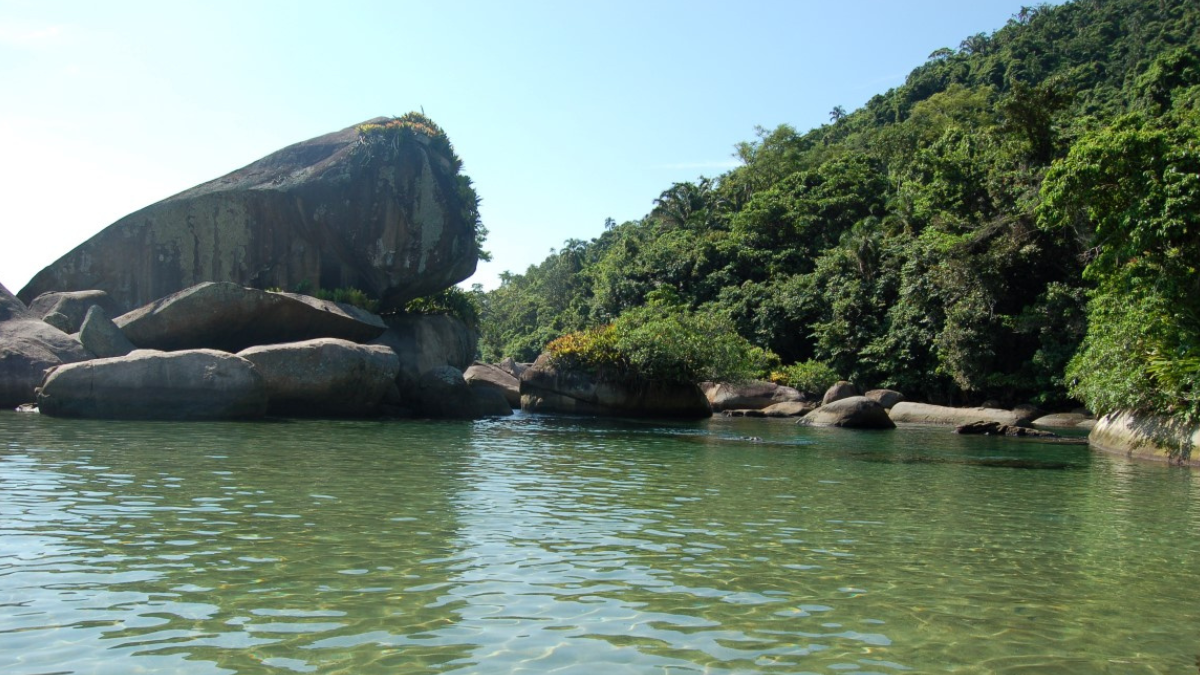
557 545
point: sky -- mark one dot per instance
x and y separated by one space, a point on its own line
564 113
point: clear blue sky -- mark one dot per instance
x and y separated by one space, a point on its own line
565 113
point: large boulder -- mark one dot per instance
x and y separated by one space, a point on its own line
887 398
228 317
325 377
842 389
482 376
425 342
1066 420
442 393
379 209
73 306
491 403
754 395
28 347
101 336
200 384
924 413
854 412
789 409
548 387
1144 436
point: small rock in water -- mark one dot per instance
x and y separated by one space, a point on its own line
27 408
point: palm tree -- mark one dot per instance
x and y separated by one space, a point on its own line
837 114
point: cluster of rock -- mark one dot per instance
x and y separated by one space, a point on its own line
223 351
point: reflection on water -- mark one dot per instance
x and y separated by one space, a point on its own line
545 545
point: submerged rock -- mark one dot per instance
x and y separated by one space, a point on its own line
998 429
200 384
383 212
228 317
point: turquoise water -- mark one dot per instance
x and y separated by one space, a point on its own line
550 545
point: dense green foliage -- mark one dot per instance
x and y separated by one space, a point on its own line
454 301
957 238
663 342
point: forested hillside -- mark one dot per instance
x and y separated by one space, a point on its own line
1018 221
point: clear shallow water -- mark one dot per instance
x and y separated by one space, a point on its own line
549 545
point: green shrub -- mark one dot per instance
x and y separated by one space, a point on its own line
664 343
813 377
454 301
349 296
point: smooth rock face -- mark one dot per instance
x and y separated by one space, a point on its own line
547 388
1146 437
1065 420
73 306
748 395
924 413
482 376
325 377
101 336
231 318
510 366
885 397
425 342
198 384
839 391
789 409
855 412
28 346
330 212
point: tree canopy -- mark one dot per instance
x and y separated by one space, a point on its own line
1017 221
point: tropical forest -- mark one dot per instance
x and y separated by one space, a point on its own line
1018 222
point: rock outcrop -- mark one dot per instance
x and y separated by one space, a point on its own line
442 393
748 395
73 306
198 384
924 413
425 342
842 389
1144 436
789 409
29 346
854 412
1068 420
231 318
101 336
484 376
325 377
998 429
380 207
887 398
546 387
